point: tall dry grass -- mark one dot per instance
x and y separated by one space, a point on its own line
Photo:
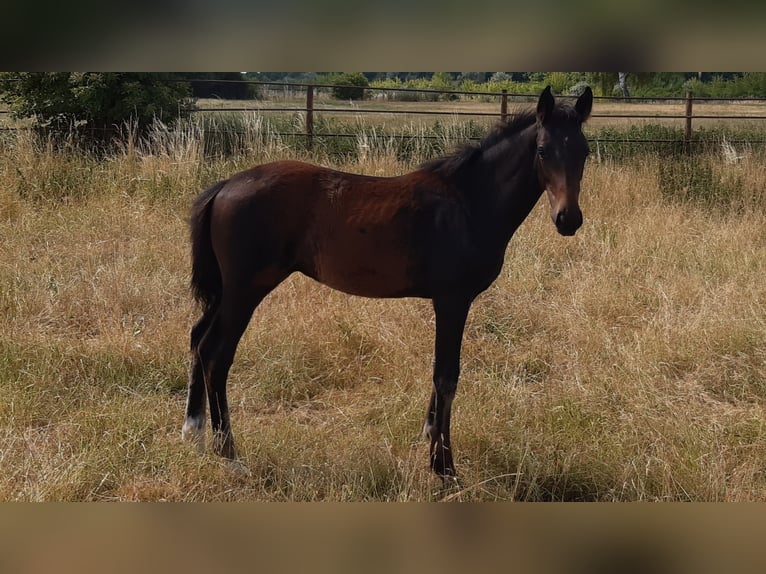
626 363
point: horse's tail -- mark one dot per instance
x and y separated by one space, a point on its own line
206 282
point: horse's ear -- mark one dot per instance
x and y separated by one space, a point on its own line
584 104
545 105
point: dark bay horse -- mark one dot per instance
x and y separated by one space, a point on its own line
439 232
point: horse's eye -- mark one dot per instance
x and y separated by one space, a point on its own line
541 152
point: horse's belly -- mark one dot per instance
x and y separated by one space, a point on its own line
369 274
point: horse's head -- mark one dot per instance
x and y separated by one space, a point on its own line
560 156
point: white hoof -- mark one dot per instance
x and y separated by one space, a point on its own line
194 432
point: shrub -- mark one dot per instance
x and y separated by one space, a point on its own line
577 89
60 101
350 86
558 81
223 85
443 81
499 77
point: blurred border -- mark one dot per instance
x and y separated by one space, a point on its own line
341 35
339 538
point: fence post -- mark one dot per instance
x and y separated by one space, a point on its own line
309 116
504 106
688 130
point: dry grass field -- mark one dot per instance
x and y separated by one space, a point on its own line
627 363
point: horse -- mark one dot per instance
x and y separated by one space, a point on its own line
439 232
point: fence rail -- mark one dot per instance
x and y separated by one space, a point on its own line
310 109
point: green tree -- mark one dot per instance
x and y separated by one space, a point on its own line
442 81
475 77
224 85
558 81
616 83
101 101
350 86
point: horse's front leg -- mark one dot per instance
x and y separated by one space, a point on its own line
451 315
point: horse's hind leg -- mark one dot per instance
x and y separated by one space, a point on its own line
214 358
216 354
194 424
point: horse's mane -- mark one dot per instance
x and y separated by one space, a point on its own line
468 153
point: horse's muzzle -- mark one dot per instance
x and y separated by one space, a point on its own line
568 221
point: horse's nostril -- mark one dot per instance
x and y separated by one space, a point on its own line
563 219
577 219
568 222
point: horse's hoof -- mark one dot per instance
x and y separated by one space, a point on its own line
223 446
443 465
239 469
451 481
451 489
194 431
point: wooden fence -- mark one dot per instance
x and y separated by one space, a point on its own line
685 106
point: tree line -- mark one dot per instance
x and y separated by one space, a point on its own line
637 84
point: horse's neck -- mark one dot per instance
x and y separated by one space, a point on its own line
513 187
